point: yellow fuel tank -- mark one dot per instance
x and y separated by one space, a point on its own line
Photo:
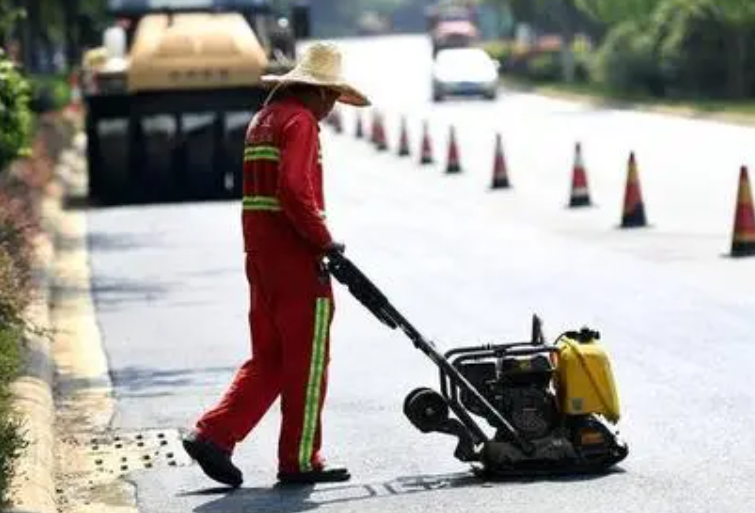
585 380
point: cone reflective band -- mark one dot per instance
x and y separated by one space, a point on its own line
743 240
500 174
403 143
634 208
580 193
426 152
452 165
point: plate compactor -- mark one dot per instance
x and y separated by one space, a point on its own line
552 407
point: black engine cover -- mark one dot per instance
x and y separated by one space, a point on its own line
531 410
518 387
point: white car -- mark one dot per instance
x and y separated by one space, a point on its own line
464 71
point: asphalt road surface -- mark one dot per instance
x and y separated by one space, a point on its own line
467 265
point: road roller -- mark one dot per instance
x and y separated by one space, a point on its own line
169 95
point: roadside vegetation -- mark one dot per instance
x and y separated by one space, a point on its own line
24 172
698 53
15 129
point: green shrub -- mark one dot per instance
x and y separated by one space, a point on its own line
625 61
49 93
11 438
690 40
17 225
15 117
583 51
15 277
501 51
544 67
539 62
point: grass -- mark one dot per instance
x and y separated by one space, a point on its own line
742 112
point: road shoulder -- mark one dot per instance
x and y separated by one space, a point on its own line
84 397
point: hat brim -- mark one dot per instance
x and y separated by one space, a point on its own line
348 94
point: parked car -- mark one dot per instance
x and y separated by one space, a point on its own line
464 71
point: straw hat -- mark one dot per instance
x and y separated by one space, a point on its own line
319 66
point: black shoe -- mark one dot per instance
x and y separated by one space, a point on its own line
214 461
320 475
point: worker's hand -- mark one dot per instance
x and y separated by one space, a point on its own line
335 247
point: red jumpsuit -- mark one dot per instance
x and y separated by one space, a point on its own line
291 299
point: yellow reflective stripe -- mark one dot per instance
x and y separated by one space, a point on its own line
267 203
260 203
261 152
314 384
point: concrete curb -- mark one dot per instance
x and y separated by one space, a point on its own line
33 487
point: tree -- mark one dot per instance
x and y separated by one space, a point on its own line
612 12
740 17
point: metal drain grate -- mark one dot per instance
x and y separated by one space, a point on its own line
119 453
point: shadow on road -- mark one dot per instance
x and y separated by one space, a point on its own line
112 294
148 382
285 499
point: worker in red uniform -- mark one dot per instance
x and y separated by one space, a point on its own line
285 238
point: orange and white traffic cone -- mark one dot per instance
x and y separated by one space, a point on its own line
403 143
453 164
360 128
381 143
500 173
743 240
634 208
426 152
580 192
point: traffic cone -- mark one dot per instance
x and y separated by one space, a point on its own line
743 241
580 192
634 208
403 144
360 128
381 143
453 165
426 152
500 174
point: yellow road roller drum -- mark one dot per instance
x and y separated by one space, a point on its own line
585 379
195 50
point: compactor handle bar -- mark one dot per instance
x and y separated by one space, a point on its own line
373 299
